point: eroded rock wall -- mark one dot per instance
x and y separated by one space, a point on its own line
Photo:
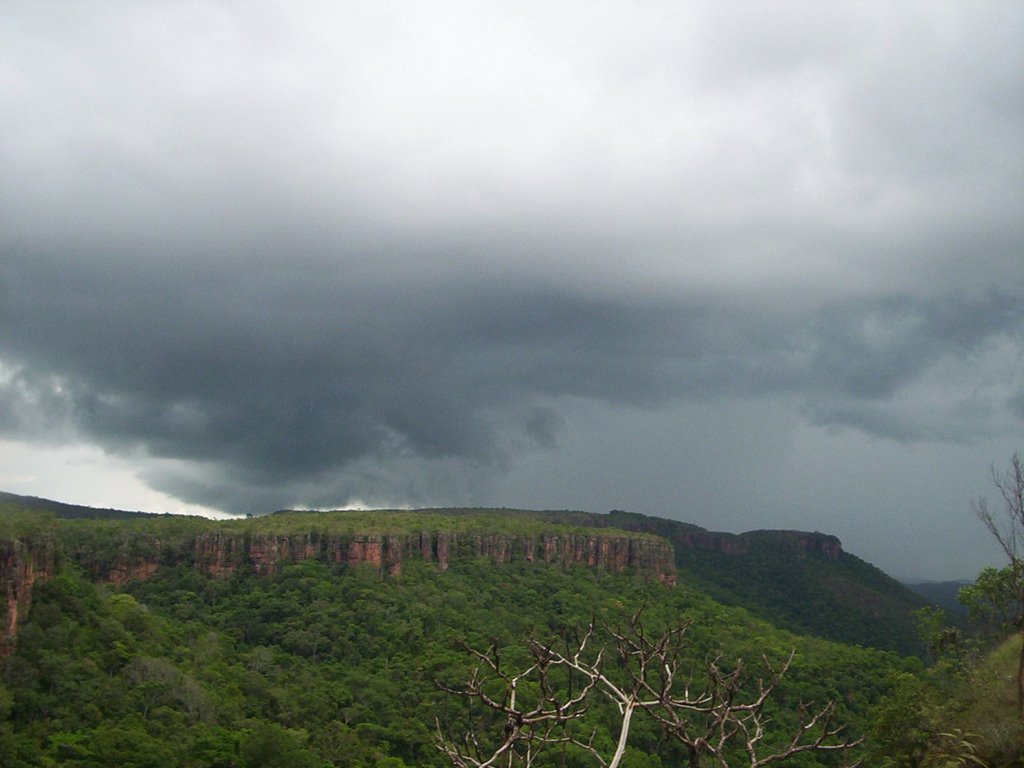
23 562
220 554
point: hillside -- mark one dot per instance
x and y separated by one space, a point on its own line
160 641
62 510
34 543
943 594
808 584
798 580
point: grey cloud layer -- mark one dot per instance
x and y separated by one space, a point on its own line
283 377
325 251
704 143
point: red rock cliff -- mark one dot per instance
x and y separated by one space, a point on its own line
221 554
22 563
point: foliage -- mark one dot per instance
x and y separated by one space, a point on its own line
333 665
1005 589
844 599
774 575
18 522
714 711
992 599
959 711
409 521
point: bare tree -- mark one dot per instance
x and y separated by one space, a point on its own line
1009 532
528 721
1007 526
728 710
716 722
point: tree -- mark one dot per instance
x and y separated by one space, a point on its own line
270 746
534 709
721 719
1005 588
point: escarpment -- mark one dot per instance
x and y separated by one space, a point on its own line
126 555
23 562
220 554
798 544
687 537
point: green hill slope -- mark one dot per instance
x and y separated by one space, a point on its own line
163 641
944 594
833 594
60 509
801 581
324 663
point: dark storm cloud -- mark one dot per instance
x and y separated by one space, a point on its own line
286 376
1016 405
311 254
869 349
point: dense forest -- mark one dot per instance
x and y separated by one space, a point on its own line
162 641
797 580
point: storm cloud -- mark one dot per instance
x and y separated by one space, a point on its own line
283 256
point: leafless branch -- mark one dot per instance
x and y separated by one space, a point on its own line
1008 530
725 714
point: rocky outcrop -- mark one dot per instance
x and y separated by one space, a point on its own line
798 544
821 544
220 554
23 562
124 572
615 553
726 543
687 537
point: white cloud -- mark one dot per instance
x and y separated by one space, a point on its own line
84 474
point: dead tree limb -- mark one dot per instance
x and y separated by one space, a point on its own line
718 723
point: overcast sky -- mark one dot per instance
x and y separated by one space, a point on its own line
749 265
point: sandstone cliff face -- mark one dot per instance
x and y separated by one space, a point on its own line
726 543
795 544
687 537
788 543
822 544
221 554
22 563
799 544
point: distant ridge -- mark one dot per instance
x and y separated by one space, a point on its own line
68 511
941 593
798 580
801 581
